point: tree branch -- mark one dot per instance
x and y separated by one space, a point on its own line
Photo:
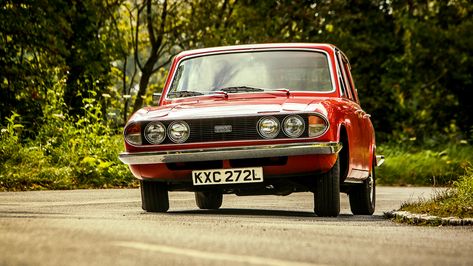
163 64
137 29
162 25
230 12
149 20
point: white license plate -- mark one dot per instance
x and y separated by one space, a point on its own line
227 176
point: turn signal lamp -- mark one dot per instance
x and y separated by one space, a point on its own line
133 134
317 126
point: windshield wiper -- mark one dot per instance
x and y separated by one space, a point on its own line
235 89
178 94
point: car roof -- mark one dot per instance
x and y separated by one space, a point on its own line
247 47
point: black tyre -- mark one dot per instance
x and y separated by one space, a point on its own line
154 196
209 200
363 196
327 195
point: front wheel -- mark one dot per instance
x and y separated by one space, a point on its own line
363 196
208 200
154 196
327 194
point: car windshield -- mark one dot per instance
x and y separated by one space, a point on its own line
252 72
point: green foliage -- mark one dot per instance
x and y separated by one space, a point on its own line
43 40
67 153
457 201
430 76
464 188
12 129
414 165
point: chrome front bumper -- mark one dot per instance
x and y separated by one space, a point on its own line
228 153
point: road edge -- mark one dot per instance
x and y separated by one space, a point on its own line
426 219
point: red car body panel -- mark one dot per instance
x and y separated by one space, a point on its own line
343 111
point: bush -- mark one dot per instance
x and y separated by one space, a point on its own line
67 153
438 166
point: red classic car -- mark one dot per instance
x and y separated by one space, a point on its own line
256 120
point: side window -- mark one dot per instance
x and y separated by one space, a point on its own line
349 79
343 79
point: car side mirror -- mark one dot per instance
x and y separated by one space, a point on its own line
156 97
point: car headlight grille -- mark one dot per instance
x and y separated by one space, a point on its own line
278 126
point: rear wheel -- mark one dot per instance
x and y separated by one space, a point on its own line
209 200
363 196
327 195
154 196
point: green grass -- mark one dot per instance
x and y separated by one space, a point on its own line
419 166
457 201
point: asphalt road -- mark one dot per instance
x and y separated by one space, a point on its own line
108 227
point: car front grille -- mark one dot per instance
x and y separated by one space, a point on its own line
242 128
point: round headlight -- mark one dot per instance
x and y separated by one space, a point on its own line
268 127
293 126
179 131
155 132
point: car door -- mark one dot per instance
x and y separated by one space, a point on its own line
366 127
357 124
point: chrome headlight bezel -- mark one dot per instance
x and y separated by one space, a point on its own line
158 136
268 121
173 134
301 126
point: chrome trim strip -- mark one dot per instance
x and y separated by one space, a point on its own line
353 181
243 152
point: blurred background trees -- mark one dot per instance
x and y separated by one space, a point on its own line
411 60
